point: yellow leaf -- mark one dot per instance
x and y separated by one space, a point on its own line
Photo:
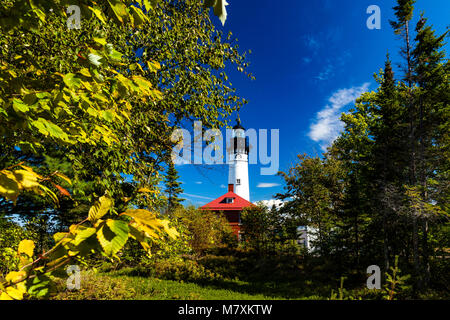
98 13
144 217
146 221
63 177
27 247
9 187
26 179
101 41
15 293
172 232
147 230
14 276
119 9
85 72
32 171
100 208
153 66
4 296
139 235
59 236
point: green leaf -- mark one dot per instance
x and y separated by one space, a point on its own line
19 106
98 13
39 287
112 236
59 236
83 235
108 115
72 81
138 15
119 9
37 11
40 125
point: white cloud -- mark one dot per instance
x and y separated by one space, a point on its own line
223 186
270 203
267 185
198 182
327 125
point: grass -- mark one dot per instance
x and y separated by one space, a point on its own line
117 286
113 286
240 276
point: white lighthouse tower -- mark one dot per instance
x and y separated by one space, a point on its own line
238 162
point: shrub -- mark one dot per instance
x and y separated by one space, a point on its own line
10 236
205 230
95 287
185 270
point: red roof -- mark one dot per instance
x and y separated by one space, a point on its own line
220 203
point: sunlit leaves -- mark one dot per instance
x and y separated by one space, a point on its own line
149 223
64 177
119 9
9 188
15 288
83 234
26 247
12 182
100 208
98 13
19 106
112 236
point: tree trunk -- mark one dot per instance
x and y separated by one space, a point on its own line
426 254
416 253
412 169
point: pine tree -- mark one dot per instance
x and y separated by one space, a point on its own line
404 13
388 156
173 188
430 75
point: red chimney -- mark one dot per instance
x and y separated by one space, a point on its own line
231 188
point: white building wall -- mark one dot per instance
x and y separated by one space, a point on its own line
238 175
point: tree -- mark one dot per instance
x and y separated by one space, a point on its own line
314 193
71 93
205 229
122 123
173 188
382 187
430 74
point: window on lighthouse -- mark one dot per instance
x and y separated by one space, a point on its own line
238 181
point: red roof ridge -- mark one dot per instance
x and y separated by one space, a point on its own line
219 204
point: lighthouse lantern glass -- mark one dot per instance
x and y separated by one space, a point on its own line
239 133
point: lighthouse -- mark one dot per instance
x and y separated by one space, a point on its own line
238 162
237 198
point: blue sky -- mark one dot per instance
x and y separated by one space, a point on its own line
310 60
